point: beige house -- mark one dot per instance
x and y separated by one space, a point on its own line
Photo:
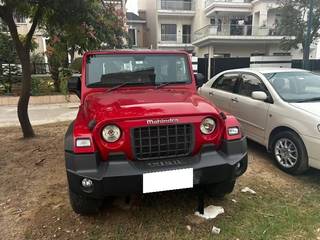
137 29
217 28
23 26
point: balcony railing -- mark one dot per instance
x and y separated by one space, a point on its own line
209 2
168 37
176 5
234 30
176 39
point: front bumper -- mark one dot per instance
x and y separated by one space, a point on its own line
312 145
120 176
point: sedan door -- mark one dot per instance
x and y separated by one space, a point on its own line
252 113
221 91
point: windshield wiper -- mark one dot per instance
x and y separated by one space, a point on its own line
118 86
315 99
167 83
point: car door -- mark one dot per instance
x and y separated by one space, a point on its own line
221 91
251 113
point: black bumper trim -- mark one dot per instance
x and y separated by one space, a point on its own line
121 177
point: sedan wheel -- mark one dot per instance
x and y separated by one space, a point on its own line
286 153
289 152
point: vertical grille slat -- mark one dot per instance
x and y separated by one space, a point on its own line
157 142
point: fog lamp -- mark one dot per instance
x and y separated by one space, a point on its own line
87 183
83 142
232 131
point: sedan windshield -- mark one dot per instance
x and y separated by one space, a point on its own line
296 86
136 69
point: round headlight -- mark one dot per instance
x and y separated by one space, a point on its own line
111 133
207 126
319 127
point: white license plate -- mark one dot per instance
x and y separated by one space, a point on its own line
167 180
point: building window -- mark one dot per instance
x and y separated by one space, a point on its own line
133 36
168 32
185 5
216 22
186 34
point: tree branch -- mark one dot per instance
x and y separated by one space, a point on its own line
2 11
34 25
6 14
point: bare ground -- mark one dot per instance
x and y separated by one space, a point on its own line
34 200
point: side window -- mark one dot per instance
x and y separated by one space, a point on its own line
226 82
249 84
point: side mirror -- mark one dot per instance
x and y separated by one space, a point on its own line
74 85
199 79
259 95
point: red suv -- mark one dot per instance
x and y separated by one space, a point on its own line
142 127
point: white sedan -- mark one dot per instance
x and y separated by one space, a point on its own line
277 107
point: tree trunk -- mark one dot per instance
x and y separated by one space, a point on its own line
25 95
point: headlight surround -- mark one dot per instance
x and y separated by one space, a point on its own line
111 133
208 125
318 127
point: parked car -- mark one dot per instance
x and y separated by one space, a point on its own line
277 107
142 128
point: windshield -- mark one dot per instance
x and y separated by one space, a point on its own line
112 70
296 86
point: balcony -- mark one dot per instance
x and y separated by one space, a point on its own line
209 2
235 33
175 7
175 41
227 6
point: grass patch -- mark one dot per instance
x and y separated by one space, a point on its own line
271 214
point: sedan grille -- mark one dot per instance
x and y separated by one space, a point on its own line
158 142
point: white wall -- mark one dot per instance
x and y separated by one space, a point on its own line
236 50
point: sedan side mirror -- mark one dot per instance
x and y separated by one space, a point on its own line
259 95
199 79
74 85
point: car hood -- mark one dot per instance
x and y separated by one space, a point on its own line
310 107
146 103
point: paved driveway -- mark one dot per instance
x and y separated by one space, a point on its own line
39 114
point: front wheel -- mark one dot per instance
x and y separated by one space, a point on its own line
219 190
84 205
289 152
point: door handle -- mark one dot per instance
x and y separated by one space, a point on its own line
235 100
210 93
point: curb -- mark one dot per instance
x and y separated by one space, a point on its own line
35 100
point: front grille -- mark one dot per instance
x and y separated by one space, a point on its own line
158 142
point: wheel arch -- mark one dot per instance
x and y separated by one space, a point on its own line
277 130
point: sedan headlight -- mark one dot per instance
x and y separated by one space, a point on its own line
208 125
111 133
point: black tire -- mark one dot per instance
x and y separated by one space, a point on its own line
219 190
84 205
301 164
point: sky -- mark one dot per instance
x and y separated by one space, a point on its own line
132 6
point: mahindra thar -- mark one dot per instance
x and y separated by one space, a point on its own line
142 128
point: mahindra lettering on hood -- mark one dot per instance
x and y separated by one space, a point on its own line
142 128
